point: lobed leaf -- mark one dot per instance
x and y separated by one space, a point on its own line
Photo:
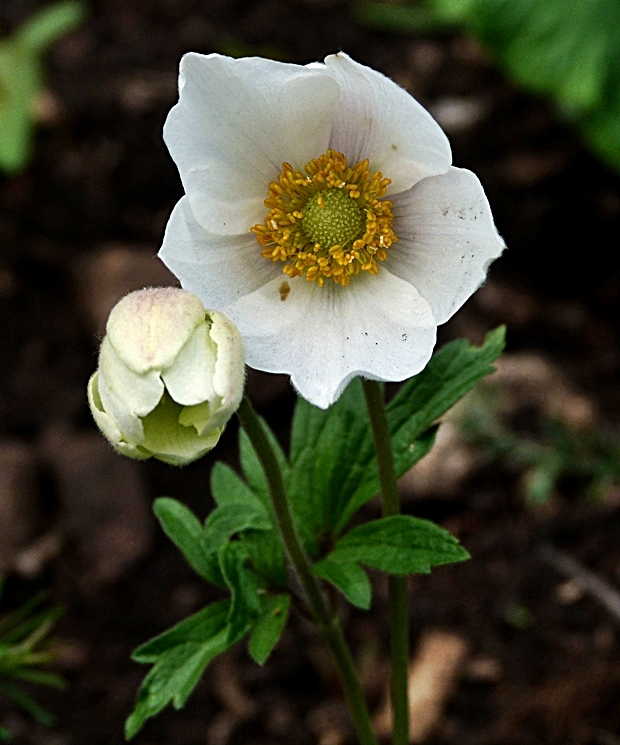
400 544
180 656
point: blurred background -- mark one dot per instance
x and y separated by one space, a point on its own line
520 646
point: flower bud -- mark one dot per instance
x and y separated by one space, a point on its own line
170 376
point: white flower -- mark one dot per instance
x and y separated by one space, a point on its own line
366 279
170 376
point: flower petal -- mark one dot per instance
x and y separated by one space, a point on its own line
148 328
236 122
447 239
125 395
107 425
219 269
379 120
229 377
379 327
190 379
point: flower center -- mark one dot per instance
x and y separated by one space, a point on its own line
331 217
328 222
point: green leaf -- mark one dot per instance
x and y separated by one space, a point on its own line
258 535
20 82
400 544
333 466
21 78
185 531
245 604
569 51
348 577
49 24
331 452
266 555
268 629
28 704
180 656
451 373
233 518
5 735
227 487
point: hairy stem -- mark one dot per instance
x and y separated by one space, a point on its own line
328 623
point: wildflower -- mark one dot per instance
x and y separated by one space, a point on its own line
323 216
170 376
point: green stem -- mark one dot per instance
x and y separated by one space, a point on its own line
399 617
327 623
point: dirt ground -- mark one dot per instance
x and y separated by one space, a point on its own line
541 659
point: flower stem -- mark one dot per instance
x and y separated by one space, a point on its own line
399 618
328 623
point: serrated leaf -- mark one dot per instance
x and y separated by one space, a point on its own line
450 374
331 452
333 466
268 628
400 544
348 577
185 531
245 604
180 656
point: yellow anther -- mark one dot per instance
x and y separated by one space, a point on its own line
339 240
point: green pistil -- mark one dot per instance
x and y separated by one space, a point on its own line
337 222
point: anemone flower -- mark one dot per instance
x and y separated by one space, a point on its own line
322 215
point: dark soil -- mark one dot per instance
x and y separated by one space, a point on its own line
101 176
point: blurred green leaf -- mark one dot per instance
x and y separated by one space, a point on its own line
569 51
21 76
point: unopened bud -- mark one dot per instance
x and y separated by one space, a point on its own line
170 376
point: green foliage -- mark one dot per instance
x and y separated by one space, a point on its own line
179 657
568 51
548 453
331 474
21 76
24 649
333 468
268 628
400 544
348 577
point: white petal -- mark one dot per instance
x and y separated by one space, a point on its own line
447 239
379 120
124 394
106 424
379 327
229 368
147 328
219 269
236 122
190 379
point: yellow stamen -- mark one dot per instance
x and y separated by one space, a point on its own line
331 222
